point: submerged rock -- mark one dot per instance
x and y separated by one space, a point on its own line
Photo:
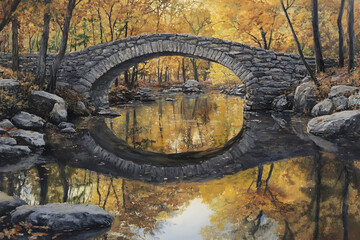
305 97
342 90
63 217
30 138
325 107
169 99
346 123
10 151
354 102
6 124
8 204
28 121
108 112
58 113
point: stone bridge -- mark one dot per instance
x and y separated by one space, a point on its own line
92 71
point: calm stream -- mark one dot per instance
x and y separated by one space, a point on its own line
266 179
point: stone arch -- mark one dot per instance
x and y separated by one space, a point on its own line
103 74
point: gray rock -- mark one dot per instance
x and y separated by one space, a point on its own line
30 138
169 99
354 102
63 125
6 124
11 86
346 123
82 108
342 90
28 121
7 141
8 204
325 107
8 151
2 131
68 130
305 97
281 103
63 217
340 103
58 113
172 89
43 102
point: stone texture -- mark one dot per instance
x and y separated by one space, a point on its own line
6 124
28 121
66 125
30 138
305 97
354 102
346 123
11 86
8 204
7 141
63 217
281 103
325 107
2 131
93 78
58 114
43 102
340 103
9 151
342 90
68 130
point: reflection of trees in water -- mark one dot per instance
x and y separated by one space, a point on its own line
192 123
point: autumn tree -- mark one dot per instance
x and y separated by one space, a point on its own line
320 65
41 65
8 7
65 34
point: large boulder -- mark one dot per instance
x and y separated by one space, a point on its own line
354 102
325 107
340 103
6 124
281 103
33 139
43 102
11 86
305 97
8 204
342 90
58 113
7 141
346 123
28 121
10 151
63 217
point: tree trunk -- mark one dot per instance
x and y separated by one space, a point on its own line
263 38
351 34
320 66
7 18
58 59
41 65
183 70
15 45
166 74
341 34
299 46
100 25
193 60
178 73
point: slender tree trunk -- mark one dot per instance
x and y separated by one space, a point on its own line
299 46
320 66
7 17
15 44
58 59
41 65
263 38
100 25
178 73
341 34
166 74
196 76
351 34
183 70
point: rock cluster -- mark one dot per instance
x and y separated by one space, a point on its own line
144 95
238 90
191 86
